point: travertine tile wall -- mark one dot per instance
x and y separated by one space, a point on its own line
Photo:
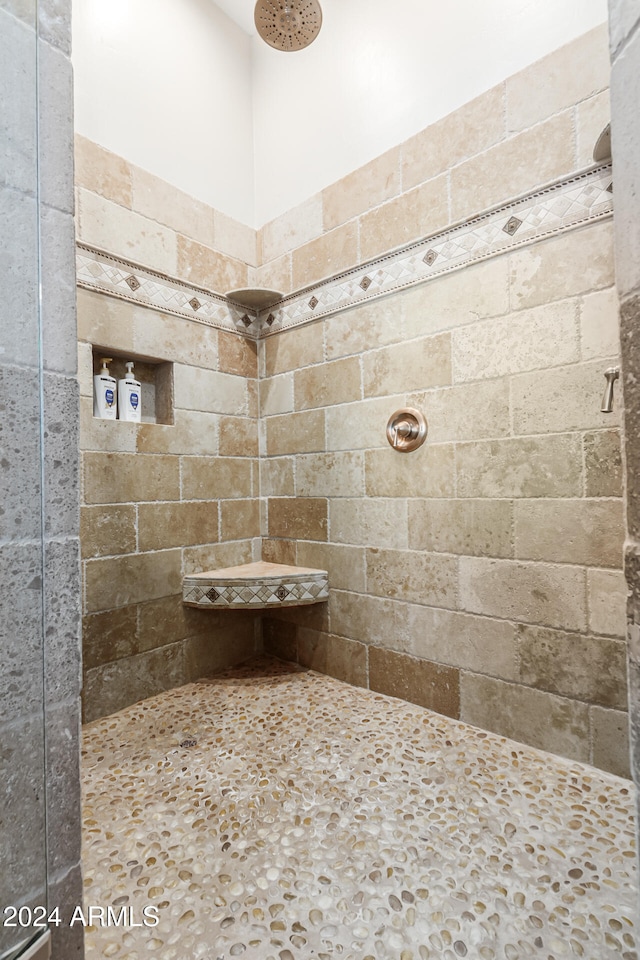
163 500
625 129
480 575
537 126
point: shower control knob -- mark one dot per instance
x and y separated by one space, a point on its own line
406 430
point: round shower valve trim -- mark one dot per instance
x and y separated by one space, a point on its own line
407 430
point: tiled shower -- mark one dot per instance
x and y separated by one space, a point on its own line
479 577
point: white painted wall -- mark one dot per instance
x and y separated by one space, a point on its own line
167 84
178 88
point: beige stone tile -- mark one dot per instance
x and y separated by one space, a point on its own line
471 643
429 472
540 719
164 525
513 167
411 216
276 395
161 201
167 620
607 598
361 425
334 656
209 391
253 399
295 433
239 519
610 740
113 228
105 320
327 384
85 369
113 686
276 477
365 188
593 669
592 116
415 365
121 478
162 336
326 256
590 532
280 639
104 435
274 275
567 398
107 531
368 619
600 325
414 576
109 636
365 327
330 475
207 268
237 355
417 681
292 229
548 466
119 581
293 349
471 129
234 642
375 523
313 616
345 565
471 527
103 172
298 518
456 299
473 411
235 239
529 340
280 551
216 478
563 78
216 556
579 261
539 593
238 437
191 432
603 463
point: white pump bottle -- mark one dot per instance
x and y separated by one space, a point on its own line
130 396
104 393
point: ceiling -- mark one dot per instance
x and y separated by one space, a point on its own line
241 11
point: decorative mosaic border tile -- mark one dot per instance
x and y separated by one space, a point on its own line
559 207
105 273
255 586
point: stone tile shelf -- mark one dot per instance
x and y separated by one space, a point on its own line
255 586
273 813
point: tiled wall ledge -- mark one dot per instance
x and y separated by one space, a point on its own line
561 206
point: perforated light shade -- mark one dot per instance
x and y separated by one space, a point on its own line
290 25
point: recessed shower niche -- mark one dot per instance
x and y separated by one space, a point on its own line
155 376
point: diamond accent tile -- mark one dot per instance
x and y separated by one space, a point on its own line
365 283
195 303
313 303
512 225
133 282
430 257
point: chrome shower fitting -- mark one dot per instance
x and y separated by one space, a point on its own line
611 375
406 430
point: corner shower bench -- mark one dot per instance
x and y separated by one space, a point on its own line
255 586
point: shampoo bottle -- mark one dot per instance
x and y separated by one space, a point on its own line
129 396
104 393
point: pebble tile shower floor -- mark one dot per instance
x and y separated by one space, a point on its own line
274 813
